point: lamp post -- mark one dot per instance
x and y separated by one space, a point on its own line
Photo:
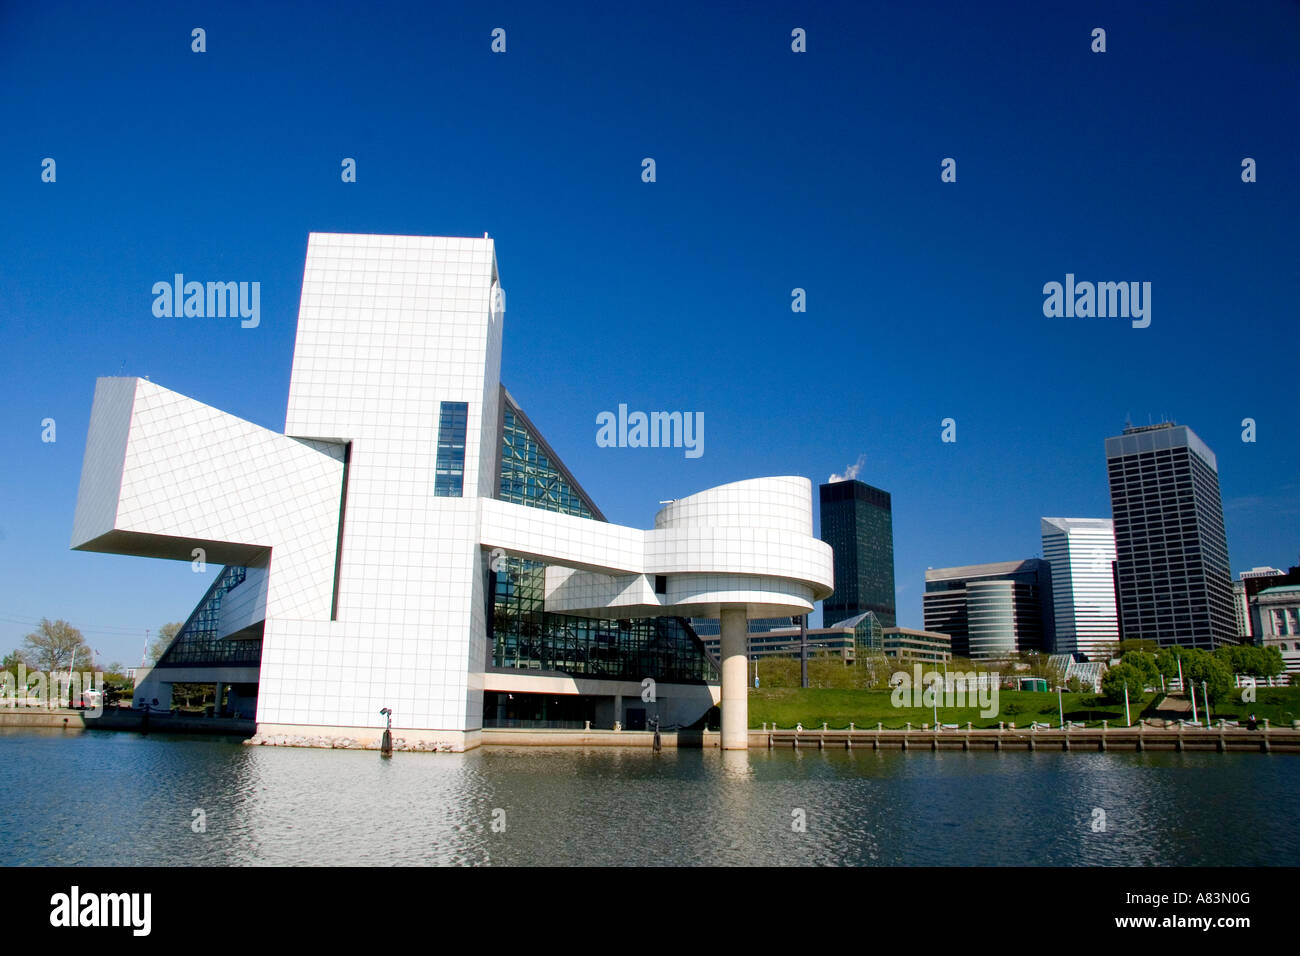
803 651
386 744
1128 717
1192 690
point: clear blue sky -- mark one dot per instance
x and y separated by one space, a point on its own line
775 170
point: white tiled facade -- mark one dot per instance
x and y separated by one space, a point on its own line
391 611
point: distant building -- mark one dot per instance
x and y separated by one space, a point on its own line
906 643
712 626
1249 585
846 640
1241 610
849 640
857 522
1081 551
1246 587
991 611
1276 621
1174 583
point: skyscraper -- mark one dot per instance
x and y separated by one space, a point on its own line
858 524
1080 551
1174 585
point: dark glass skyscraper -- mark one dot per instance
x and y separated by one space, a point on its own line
858 524
1171 553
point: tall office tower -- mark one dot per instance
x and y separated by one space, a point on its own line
1170 546
1080 551
992 611
858 524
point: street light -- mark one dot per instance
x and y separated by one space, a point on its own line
386 744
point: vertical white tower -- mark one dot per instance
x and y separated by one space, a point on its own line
398 346
1080 551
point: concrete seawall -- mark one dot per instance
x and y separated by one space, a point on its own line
1082 740
523 737
130 720
1075 740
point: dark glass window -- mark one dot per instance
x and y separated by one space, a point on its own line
523 634
197 644
449 472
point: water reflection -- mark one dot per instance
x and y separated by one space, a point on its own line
100 797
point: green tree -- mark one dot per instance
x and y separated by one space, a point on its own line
1167 660
1106 652
1201 667
1139 644
1144 665
1252 661
1113 683
56 646
11 662
1271 663
166 634
117 686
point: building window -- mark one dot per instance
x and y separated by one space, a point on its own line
661 584
449 472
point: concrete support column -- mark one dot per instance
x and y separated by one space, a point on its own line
735 682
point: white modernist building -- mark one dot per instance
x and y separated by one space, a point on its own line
411 542
1081 552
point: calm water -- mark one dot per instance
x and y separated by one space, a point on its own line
102 797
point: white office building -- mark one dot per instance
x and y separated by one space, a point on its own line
1081 551
411 541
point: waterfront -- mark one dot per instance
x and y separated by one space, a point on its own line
99 797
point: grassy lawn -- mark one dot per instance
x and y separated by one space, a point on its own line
1280 705
788 706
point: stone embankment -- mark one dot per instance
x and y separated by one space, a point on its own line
344 743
